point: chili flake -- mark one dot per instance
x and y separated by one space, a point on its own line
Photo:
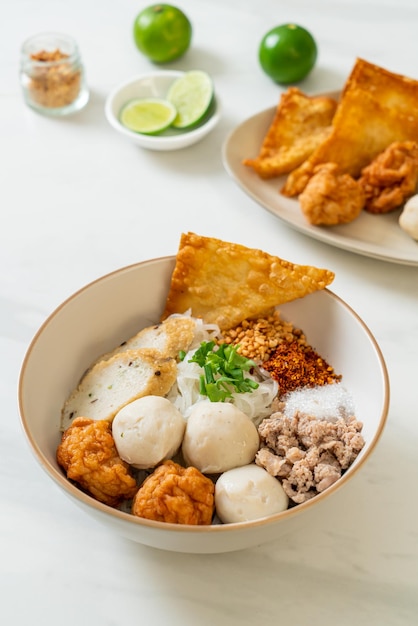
294 365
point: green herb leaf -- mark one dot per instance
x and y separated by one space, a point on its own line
223 371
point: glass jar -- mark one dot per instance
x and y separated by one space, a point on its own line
52 75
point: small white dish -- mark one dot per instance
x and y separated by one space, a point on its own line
155 85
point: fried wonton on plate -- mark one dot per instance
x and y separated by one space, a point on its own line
225 283
301 123
377 108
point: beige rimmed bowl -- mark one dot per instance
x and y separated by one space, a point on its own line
114 307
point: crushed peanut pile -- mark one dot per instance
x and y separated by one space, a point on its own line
259 338
282 350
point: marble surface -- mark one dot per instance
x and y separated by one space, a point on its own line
77 201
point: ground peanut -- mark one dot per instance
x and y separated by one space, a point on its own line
258 338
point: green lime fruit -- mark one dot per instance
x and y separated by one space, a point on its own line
162 32
192 95
148 116
287 53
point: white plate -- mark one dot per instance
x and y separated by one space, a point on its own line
377 236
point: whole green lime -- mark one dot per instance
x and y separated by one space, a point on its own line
287 53
162 32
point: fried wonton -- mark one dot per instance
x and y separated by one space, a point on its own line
377 108
300 124
225 283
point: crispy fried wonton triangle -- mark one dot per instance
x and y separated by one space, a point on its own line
377 108
225 283
300 124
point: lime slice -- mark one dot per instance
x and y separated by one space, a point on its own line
148 116
191 94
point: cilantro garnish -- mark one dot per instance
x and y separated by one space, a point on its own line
223 371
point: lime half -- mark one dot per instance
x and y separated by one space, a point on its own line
148 116
192 95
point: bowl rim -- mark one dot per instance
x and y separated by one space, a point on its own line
60 479
182 137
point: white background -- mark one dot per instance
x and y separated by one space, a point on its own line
76 202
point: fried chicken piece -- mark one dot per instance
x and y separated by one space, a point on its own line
88 455
391 178
377 107
331 197
300 124
176 494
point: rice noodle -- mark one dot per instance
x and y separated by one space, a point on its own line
185 392
203 331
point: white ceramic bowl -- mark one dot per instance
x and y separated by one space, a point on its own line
107 311
155 85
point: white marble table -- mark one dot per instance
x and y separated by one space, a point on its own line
78 202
